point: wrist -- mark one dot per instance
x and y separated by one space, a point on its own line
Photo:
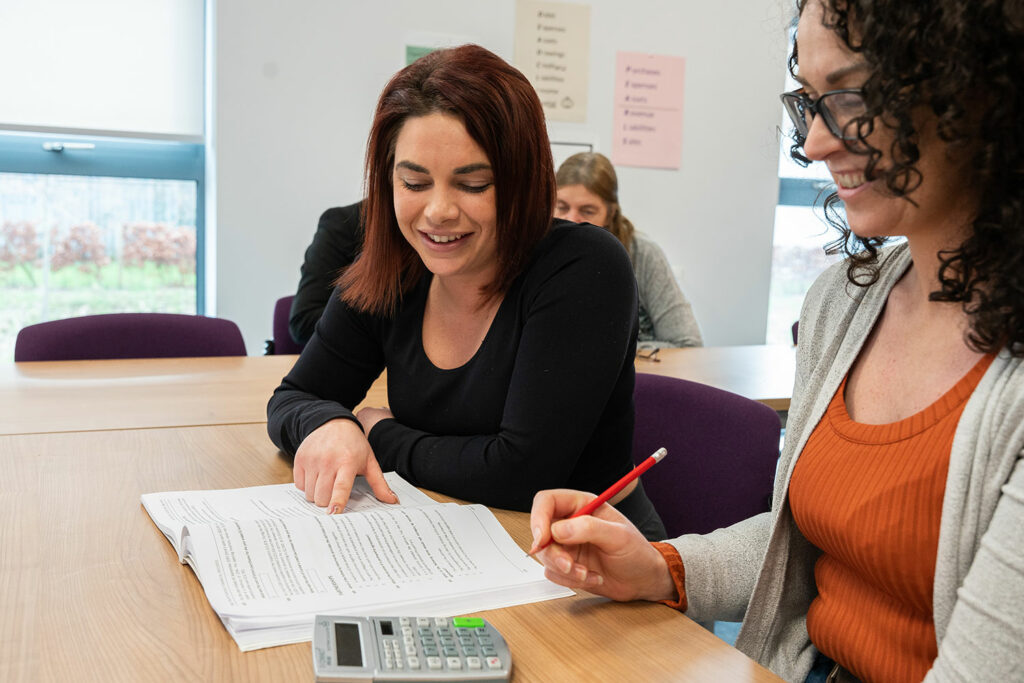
670 588
345 425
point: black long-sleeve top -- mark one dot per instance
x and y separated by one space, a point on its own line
546 401
336 243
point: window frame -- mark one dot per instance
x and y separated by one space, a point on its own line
802 191
115 157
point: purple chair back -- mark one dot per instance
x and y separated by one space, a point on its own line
129 335
283 342
722 453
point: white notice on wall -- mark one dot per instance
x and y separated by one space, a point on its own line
648 120
553 51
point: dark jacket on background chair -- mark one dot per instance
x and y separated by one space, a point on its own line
337 242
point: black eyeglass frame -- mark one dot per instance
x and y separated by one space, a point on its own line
817 106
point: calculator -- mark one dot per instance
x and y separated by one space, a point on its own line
409 649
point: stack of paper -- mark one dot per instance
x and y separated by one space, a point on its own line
269 561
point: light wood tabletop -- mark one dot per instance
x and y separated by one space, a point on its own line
762 372
91 590
72 396
68 396
154 392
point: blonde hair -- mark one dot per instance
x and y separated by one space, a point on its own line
595 172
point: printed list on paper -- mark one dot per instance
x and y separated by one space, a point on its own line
553 51
648 119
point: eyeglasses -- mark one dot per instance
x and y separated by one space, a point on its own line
837 107
649 354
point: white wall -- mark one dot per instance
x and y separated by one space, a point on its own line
295 86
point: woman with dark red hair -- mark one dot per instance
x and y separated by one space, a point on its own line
508 338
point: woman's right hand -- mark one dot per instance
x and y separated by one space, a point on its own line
601 553
328 460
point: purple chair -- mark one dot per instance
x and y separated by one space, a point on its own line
129 335
283 342
722 453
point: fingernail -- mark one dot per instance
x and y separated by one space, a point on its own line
564 565
395 496
595 580
581 574
332 509
535 545
565 531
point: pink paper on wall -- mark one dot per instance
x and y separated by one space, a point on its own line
648 120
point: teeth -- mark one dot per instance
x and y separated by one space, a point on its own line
850 180
442 239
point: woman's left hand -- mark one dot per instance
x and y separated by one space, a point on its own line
368 417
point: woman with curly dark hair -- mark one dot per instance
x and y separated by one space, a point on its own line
894 550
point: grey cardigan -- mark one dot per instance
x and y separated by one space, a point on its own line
660 295
763 567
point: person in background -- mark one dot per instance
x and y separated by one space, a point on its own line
588 192
508 336
894 550
338 239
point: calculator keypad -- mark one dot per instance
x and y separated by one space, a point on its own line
414 643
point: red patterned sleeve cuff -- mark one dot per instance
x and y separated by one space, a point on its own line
678 572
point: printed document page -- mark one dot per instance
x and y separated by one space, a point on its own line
269 561
174 510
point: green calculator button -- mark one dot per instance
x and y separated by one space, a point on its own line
467 622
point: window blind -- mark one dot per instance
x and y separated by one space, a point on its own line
133 67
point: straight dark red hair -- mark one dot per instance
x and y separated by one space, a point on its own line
503 115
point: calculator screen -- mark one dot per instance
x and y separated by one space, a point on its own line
346 640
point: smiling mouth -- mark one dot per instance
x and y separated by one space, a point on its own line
444 239
849 181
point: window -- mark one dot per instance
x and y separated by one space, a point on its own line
102 159
103 226
801 233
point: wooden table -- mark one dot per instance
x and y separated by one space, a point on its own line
763 373
71 396
138 393
91 590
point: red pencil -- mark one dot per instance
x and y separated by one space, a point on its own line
589 508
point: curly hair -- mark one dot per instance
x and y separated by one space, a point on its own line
963 60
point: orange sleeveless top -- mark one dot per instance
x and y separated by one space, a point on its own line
870 497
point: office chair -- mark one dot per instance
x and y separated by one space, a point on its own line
722 453
129 335
282 342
